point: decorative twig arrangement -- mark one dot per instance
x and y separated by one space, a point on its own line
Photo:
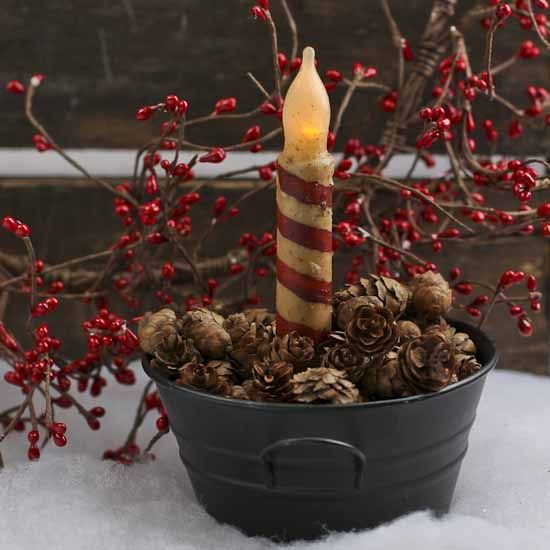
157 214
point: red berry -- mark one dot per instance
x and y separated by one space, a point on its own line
215 155
543 211
219 206
225 105
168 270
464 288
258 13
455 273
162 423
425 113
98 412
171 102
33 436
144 113
33 453
94 424
503 11
333 75
515 311
151 185
15 87
531 283
59 439
252 134
58 428
525 327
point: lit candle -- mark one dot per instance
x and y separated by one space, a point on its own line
304 208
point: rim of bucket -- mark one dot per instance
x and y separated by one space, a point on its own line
473 331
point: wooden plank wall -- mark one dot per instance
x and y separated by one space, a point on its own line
103 58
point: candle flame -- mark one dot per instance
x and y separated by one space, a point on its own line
306 112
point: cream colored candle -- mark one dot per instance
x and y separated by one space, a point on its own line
304 202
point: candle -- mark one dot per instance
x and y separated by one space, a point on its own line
304 208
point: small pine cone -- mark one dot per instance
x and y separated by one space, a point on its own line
253 345
260 316
346 309
203 378
153 326
383 380
341 296
224 369
466 365
236 326
206 330
427 363
393 295
461 341
432 296
346 358
174 351
239 392
323 385
408 330
292 348
272 381
372 330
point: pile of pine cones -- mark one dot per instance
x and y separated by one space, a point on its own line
390 340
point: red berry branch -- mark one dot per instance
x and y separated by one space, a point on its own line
162 253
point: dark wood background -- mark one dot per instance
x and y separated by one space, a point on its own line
103 58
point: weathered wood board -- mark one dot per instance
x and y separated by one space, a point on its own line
104 58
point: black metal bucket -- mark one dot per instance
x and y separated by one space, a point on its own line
290 471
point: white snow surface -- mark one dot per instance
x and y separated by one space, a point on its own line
71 499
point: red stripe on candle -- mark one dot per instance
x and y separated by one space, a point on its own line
306 192
284 327
304 235
304 286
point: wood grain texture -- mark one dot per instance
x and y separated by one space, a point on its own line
104 58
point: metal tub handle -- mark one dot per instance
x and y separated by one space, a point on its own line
269 453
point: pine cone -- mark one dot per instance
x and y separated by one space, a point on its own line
408 330
427 362
372 330
203 378
383 380
206 329
239 392
292 348
346 310
236 326
174 351
324 385
466 365
394 295
272 381
431 295
461 341
224 369
346 358
382 291
153 326
259 315
253 345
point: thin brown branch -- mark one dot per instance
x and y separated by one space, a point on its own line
42 130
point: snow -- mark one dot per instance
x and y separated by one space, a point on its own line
71 499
